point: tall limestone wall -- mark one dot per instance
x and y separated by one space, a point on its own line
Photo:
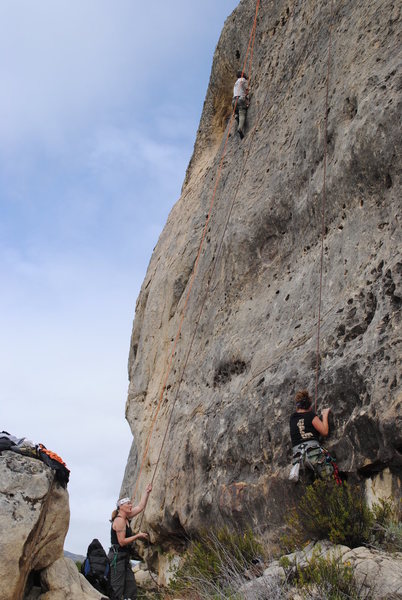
253 345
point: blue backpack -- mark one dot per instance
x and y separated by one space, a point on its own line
96 567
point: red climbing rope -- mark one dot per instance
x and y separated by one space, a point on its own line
215 260
323 207
252 43
195 270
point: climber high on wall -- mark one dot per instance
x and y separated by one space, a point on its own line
240 101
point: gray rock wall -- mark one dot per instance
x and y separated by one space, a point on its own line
255 345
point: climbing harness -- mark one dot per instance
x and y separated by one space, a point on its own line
316 458
113 563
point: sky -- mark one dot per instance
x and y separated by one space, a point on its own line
100 104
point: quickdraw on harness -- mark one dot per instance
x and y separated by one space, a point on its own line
119 556
331 460
113 562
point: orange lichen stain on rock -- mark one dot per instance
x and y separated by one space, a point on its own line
231 496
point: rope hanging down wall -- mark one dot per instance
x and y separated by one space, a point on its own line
208 287
196 265
323 205
303 339
193 275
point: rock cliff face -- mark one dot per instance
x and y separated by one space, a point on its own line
253 345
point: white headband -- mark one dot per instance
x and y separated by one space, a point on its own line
123 501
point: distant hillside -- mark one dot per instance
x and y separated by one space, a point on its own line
74 557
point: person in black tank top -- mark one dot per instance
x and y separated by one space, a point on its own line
306 428
122 537
304 424
302 428
115 542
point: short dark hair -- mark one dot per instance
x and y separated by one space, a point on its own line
303 399
241 74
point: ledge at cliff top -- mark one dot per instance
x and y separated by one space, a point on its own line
250 323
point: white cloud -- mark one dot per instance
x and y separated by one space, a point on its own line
133 157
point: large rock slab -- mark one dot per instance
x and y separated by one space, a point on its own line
376 574
34 519
248 337
63 582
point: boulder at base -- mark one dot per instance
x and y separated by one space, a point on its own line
34 519
377 574
64 582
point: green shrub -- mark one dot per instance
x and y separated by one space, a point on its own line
386 531
149 594
383 510
329 511
341 514
328 578
215 563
